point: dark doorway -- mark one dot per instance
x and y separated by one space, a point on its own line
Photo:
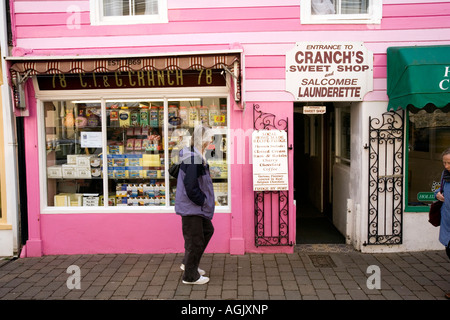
313 163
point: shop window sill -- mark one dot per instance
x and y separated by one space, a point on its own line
118 210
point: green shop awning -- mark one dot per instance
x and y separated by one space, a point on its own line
418 76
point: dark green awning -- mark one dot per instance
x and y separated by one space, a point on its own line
418 76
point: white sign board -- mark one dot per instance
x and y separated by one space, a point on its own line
314 109
329 71
270 160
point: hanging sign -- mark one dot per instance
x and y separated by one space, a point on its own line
329 71
270 164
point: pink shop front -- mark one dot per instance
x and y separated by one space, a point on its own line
100 135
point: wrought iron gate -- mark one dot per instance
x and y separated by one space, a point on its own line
386 144
271 207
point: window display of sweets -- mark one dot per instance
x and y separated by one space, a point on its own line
133 137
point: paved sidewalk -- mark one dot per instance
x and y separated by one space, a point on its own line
324 272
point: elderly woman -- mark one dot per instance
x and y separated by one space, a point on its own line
194 202
444 196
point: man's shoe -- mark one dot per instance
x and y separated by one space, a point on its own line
201 280
200 271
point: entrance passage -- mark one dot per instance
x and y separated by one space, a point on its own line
314 157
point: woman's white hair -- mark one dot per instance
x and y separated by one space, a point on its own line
201 135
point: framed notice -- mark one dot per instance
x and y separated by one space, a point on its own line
270 160
91 139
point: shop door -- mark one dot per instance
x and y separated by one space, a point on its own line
313 162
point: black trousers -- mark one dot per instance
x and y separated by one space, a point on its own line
197 231
447 250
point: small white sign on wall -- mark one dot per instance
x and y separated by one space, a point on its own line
314 109
270 160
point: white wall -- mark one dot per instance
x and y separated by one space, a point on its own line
341 192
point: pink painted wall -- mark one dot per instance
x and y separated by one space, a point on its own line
265 30
122 233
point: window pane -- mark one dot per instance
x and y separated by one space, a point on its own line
429 135
135 141
145 7
122 7
354 6
211 112
323 7
319 7
116 8
73 146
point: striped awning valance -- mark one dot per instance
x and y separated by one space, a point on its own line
196 62
21 69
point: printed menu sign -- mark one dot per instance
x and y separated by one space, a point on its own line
270 160
329 71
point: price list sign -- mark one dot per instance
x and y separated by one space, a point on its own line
270 160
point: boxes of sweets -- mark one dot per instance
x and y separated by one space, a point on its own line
218 169
82 160
68 199
54 172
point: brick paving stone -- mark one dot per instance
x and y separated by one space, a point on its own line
135 295
260 295
197 295
259 285
320 284
325 294
337 289
292 295
357 294
229 294
275 290
290 285
307 289
166 294
245 290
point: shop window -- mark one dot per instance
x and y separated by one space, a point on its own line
116 152
428 137
343 135
341 11
128 11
